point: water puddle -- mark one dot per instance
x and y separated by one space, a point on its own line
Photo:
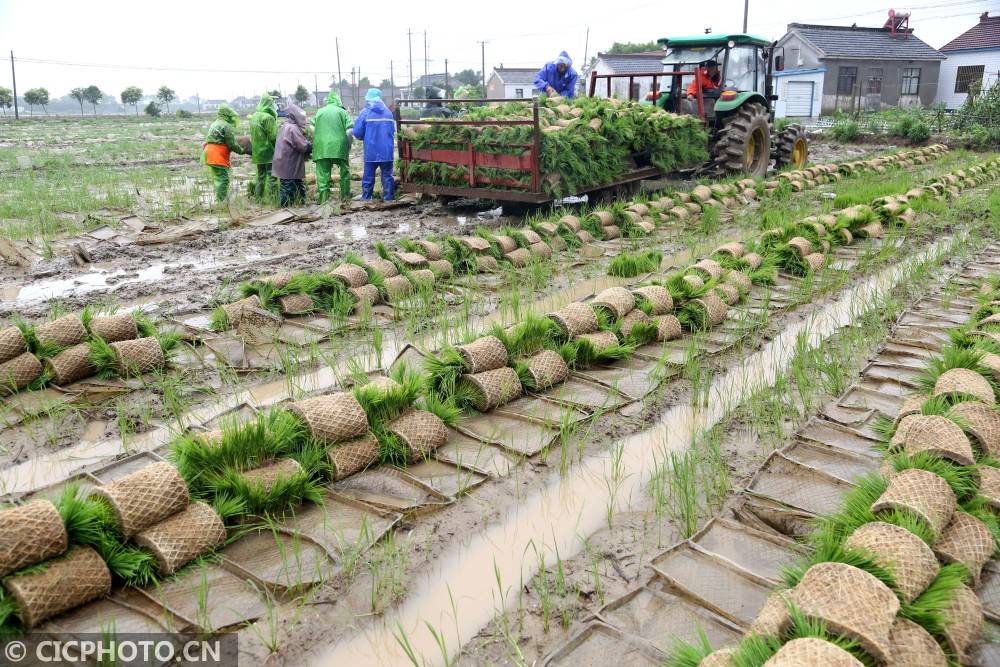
484 572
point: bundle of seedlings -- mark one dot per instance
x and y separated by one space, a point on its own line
533 346
474 376
131 358
627 265
294 294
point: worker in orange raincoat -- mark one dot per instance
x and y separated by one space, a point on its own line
220 141
709 77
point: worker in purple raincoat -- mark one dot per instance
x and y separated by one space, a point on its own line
557 77
376 127
290 152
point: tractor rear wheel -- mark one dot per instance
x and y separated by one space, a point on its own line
744 142
791 148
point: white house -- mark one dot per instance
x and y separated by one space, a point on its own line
511 83
211 105
625 63
799 91
973 57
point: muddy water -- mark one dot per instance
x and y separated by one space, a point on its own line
484 573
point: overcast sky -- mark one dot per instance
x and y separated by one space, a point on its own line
138 43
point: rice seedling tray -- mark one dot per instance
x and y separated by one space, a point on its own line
862 397
280 561
521 435
591 646
392 489
831 460
798 486
760 553
471 452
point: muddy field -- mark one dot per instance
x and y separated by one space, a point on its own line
547 530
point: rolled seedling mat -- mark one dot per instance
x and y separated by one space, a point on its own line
851 602
708 268
487 264
922 493
332 418
519 258
616 300
441 268
604 218
735 249
773 618
694 281
872 230
815 260
296 304
429 249
906 556
646 226
353 456
491 389
963 622
19 372
483 354
541 249
267 475
701 193
722 657
366 294
964 381
633 317
412 260
599 339
641 209
396 288
658 297
912 646
12 344
715 308
938 436
531 236
351 275
138 357
145 497
383 266
992 362
114 328
29 534
612 232
991 319
819 228
811 652
583 236
547 369
71 364
475 243
258 326
507 244
277 280
422 277
234 310
572 222
801 246
989 485
547 228
179 539
668 327
968 541
65 583
422 432
575 319
62 332
729 294
679 212
911 406
739 280
753 260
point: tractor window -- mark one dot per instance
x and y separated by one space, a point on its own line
741 69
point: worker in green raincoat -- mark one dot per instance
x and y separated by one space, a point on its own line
220 142
331 146
263 133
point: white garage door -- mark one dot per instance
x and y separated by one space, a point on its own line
799 98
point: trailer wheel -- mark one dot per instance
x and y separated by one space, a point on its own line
791 148
744 142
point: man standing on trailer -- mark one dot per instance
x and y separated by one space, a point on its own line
376 127
557 77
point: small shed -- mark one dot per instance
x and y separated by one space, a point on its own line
800 92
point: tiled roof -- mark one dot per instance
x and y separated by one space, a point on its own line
516 75
874 43
983 35
627 63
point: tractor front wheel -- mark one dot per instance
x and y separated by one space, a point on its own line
791 148
744 142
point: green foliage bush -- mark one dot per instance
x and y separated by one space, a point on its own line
845 129
184 113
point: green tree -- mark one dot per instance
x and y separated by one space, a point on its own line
469 77
36 97
152 109
385 84
132 96
6 99
633 47
77 94
93 95
276 94
166 95
301 94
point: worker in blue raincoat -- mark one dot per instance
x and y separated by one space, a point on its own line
376 127
557 77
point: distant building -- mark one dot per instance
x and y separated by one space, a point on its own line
973 57
625 63
211 105
511 83
243 103
856 68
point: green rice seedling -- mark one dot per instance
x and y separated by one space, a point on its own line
678 484
951 357
688 654
495 248
830 549
382 405
461 257
218 319
444 370
930 609
886 427
630 266
532 334
581 353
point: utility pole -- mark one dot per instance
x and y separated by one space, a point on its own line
197 96
426 79
13 78
446 84
392 82
746 10
586 50
482 45
354 90
316 90
409 42
340 78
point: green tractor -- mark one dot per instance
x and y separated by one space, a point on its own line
727 81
